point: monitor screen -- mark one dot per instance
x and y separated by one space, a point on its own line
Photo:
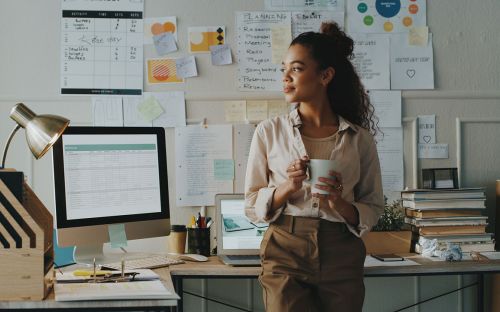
110 175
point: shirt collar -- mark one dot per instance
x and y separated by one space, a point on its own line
343 123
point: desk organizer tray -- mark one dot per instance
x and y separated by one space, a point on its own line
26 250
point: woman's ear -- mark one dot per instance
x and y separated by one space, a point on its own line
327 75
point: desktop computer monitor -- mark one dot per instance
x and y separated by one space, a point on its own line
109 176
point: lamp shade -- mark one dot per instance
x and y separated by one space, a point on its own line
42 131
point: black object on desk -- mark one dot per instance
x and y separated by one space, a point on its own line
388 257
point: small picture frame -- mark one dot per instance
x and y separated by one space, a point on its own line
440 178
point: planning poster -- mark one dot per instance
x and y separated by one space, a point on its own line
101 47
256 70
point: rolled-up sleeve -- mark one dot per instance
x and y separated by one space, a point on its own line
258 193
368 192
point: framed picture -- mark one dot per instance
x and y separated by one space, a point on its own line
440 178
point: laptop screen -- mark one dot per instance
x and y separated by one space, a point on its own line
238 233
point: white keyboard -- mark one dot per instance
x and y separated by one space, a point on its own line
144 263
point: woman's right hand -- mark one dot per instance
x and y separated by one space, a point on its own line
297 173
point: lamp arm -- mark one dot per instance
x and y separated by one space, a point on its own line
7 145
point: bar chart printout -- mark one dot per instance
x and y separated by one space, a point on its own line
101 47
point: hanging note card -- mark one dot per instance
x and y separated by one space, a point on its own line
117 235
186 67
221 54
150 109
223 169
164 43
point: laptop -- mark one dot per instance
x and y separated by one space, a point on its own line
238 237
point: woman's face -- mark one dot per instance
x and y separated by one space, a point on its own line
303 81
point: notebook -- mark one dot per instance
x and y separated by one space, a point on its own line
238 237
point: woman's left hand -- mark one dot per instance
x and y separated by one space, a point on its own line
332 185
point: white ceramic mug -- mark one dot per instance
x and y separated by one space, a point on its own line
320 168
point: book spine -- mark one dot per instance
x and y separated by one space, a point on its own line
497 222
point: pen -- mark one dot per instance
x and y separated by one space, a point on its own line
193 222
209 223
123 268
91 273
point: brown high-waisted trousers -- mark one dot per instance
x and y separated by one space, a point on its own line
310 264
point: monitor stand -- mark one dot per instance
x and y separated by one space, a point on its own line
86 254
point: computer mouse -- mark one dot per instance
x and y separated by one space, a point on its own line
192 257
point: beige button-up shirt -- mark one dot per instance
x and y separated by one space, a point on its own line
277 142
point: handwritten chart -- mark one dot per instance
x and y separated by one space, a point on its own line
101 47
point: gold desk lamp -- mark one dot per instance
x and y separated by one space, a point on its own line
42 131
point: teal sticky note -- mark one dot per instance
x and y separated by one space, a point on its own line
117 236
224 169
63 256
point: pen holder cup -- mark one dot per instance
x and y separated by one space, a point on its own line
199 241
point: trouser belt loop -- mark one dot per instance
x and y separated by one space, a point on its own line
292 221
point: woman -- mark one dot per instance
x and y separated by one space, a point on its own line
312 254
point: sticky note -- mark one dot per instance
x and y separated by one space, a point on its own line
164 43
224 169
150 109
221 54
117 235
281 36
186 67
235 111
418 36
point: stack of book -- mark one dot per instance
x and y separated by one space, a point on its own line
448 216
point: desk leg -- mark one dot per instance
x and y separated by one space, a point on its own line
178 288
480 292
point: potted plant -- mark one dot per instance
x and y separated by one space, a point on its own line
389 234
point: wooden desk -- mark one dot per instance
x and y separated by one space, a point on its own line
214 268
132 305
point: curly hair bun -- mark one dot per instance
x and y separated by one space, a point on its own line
341 41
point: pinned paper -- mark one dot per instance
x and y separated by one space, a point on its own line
165 43
162 71
221 54
418 36
154 26
107 111
117 235
412 67
426 129
186 67
256 110
281 36
433 151
224 169
150 109
201 38
235 110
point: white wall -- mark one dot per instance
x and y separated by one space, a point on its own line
467 74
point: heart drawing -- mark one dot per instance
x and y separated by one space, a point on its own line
427 138
410 73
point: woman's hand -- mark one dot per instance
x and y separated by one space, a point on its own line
332 185
297 173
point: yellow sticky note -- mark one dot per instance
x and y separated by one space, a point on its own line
418 36
281 36
256 110
150 109
235 110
